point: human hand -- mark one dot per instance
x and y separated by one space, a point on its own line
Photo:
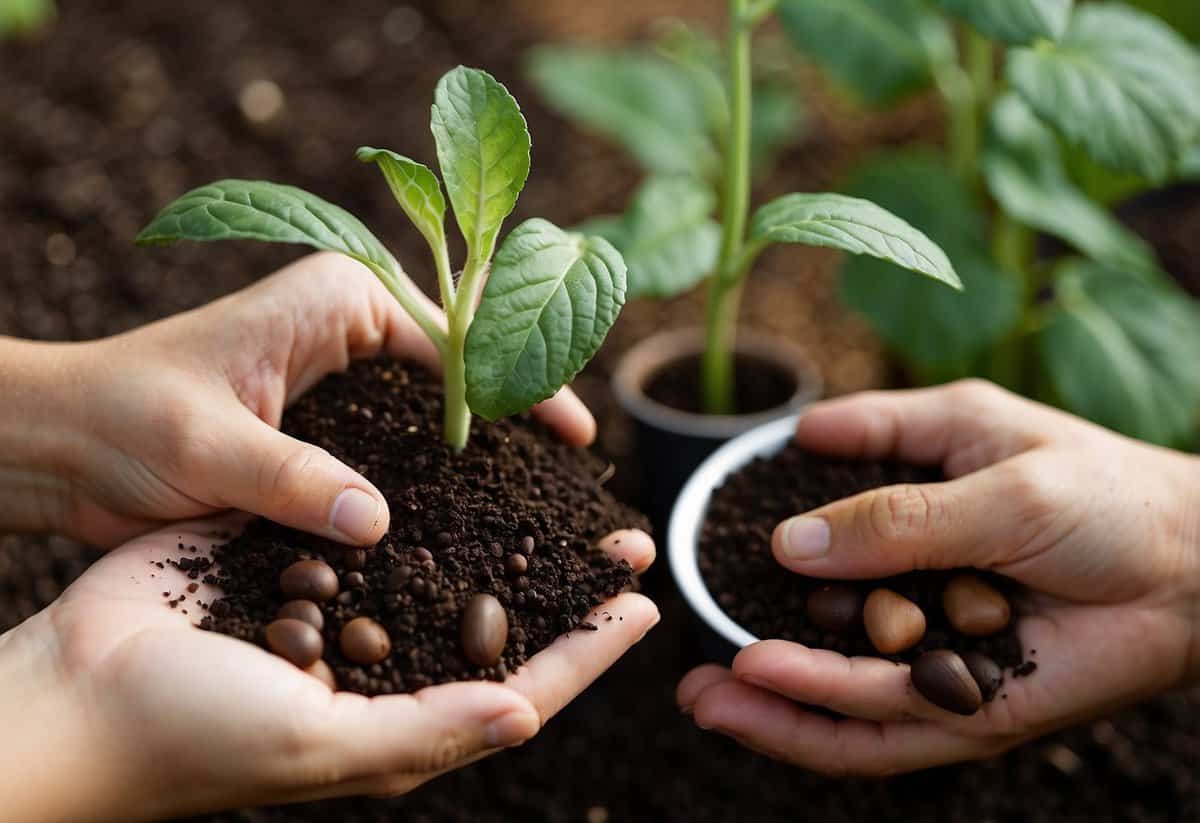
1103 531
178 420
116 707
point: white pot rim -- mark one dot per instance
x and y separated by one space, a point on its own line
691 507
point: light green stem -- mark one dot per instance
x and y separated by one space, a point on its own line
460 312
408 296
717 387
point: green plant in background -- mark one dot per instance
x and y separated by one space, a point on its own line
1054 111
24 16
686 113
521 321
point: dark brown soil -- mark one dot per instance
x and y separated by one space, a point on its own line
471 511
759 384
751 586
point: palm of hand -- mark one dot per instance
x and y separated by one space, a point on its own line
241 726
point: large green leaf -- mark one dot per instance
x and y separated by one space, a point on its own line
878 50
853 225
1120 83
416 189
658 110
1122 352
1024 172
21 16
1189 169
668 237
258 210
1014 21
937 330
483 149
548 305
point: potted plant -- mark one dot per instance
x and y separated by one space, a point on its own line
490 553
683 387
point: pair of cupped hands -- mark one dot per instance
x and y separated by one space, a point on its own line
117 707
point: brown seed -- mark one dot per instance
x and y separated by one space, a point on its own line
835 608
295 641
422 554
988 676
974 607
305 610
894 623
309 580
364 641
527 544
322 672
942 678
484 630
354 580
516 564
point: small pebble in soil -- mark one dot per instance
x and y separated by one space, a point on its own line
322 672
295 641
364 641
305 610
974 607
835 608
309 580
353 580
516 564
484 630
422 554
988 675
942 678
893 622
355 560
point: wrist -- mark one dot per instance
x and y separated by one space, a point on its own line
1191 537
38 435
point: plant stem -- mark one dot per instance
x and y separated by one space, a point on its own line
459 313
408 296
717 387
967 89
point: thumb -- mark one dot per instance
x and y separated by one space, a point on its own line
971 521
263 471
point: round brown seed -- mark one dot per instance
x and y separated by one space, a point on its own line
527 544
987 674
893 622
835 608
975 607
309 580
484 630
516 564
305 610
322 672
295 641
364 641
942 678
354 580
422 554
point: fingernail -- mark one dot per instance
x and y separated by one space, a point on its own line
509 730
355 515
804 538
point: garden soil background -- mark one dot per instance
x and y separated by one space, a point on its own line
122 106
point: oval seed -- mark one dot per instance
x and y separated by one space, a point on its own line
942 678
309 580
987 674
305 610
893 623
294 641
364 641
516 564
975 607
834 608
484 630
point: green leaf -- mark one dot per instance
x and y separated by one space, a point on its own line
852 225
876 49
668 237
776 120
1122 352
547 307
1016 22
1023 169
934 328
657 110
483 149
24 16
415 188
258 210
1120 83
1189 169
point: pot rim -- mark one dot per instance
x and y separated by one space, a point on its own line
691 507
648 356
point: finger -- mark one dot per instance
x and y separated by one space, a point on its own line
864 687
260 470
553 677
695 682
566 415
966 425
633 546
783 730
987 519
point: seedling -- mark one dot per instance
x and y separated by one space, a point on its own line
672 243
544 309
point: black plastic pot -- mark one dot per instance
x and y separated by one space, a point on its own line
671 442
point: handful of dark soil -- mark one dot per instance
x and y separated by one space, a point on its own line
490 555
956 628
